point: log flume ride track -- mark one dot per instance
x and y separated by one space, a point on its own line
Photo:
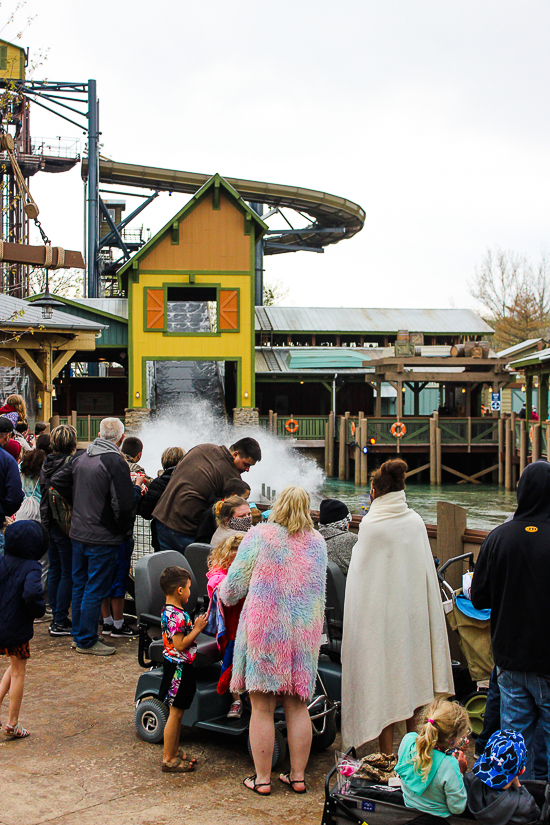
332 218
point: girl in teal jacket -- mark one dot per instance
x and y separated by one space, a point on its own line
431 762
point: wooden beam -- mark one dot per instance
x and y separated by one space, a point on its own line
19 253
460 475
60 361
31 363
422 360
418 470
444 377
481 473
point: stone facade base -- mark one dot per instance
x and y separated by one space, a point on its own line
246 417
134 417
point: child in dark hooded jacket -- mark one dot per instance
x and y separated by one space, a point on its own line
495 795
21 601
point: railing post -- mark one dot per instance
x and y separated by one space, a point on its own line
535 452
508 456
469 433
522 445
364 457
342 446
438 454
433 458
270 426
275 424
501 424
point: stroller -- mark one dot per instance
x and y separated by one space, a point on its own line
474 638
209 709
354 800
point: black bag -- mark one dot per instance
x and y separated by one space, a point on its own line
62 511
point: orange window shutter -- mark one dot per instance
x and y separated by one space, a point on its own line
155 309
229 309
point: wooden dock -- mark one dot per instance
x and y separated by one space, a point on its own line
469 449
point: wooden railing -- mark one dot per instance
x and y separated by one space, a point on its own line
87 426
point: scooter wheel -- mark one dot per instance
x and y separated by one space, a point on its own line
150 720
279 748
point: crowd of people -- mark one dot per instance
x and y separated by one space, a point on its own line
69 516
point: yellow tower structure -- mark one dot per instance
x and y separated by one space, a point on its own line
12 61
205 253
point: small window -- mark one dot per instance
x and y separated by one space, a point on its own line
191 309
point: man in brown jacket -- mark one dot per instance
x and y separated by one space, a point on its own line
204 471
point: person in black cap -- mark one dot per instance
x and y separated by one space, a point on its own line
334 521
11 491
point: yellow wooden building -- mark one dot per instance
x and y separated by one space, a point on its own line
12 61
204 254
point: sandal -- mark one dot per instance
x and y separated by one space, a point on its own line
286 780
177 766
256 786
185 757
16 731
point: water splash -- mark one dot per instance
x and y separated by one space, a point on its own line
193 423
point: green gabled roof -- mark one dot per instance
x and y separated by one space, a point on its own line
215 180
331 358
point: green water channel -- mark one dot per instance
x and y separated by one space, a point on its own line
487 505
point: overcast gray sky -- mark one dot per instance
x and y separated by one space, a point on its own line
431 114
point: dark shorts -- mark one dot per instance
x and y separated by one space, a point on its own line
179 695
22 651
122 570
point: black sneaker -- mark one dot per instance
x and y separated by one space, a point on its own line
60 629
108 628
124 632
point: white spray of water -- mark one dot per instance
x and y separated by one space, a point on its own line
193 423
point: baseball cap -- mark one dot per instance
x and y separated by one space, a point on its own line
6 425
502 760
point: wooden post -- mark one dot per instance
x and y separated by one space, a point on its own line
89 428
522 445
357 455
330 460
74 418
536 451
378 402
451 523
469 433
270 426
433 452
468 401
275 425
326 450
508 456
346 431
342 449
54 422
399 400
501 424
364 456
438 476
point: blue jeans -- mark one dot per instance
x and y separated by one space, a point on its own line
60 574
524 702
170 540
93 572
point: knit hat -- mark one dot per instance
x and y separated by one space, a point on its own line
502 760
332 510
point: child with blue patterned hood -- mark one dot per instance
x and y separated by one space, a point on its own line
495 795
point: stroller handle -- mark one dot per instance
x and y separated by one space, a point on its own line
463 557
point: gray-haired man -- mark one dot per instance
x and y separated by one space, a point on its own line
104 499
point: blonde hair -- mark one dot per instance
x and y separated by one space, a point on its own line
443 722
291 510
221 556
224 509
18 403
171 457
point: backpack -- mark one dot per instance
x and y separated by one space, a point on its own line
62 511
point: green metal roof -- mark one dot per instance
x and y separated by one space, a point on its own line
326 360
115 329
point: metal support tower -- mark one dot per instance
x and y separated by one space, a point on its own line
92 263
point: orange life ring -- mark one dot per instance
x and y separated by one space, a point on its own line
291 426
531 434
352 428
398 429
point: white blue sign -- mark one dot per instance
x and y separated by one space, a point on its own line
495 401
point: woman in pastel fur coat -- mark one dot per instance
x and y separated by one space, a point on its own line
281 569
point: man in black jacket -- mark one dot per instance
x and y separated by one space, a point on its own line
11 491
104 500
512 578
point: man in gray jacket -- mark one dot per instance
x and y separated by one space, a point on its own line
104 499
334 521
